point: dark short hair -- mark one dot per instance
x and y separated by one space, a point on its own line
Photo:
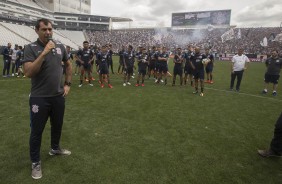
85 42
20 47
45 22
130 46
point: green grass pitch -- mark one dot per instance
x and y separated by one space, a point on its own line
148 135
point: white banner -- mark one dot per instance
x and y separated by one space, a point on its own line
228 35
278 38
239 34
264 42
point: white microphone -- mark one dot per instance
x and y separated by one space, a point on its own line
53 49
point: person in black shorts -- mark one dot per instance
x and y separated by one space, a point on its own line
77 63
272 75
121 64
128 60
152 62
157 63
209 66
179 58
163 66
19 62
70 57
198 70
142 60
110 60
85 57
103 67
97 61
188 71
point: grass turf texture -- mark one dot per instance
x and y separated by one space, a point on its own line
152 134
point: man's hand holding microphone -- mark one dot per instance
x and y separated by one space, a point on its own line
50 46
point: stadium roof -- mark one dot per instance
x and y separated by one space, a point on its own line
120 19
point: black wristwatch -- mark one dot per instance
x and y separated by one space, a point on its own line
67 83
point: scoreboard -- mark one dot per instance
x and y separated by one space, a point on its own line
217 18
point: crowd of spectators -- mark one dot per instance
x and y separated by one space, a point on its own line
250 38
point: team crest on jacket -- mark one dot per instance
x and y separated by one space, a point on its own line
59 51
35 108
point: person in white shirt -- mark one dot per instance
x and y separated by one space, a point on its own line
239 63
14 58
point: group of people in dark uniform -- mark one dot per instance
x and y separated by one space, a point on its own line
151 62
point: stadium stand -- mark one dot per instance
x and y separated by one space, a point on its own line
66 41
30 3
21 35
75 36
18 14
8 36
250 38
25 31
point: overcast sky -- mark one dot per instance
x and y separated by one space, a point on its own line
244 13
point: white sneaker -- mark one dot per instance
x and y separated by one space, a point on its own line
128 83
90 84
80 85
156 80
36 172
132 77
162 81
124 84
13 75
59 152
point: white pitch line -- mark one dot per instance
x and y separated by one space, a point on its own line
222 90
246 94
13 80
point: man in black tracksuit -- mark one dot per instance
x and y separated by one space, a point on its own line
275 149
7 60
42 63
